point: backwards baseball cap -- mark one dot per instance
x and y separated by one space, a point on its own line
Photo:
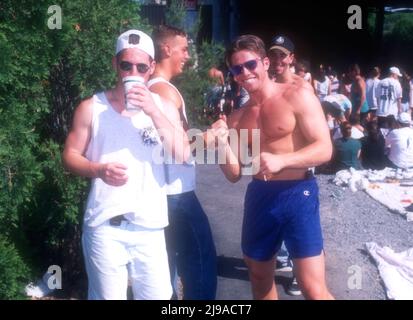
404 118
282 43
135 39
396 71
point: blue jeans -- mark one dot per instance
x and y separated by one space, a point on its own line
191 250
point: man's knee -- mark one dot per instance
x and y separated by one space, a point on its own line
315 291
260 273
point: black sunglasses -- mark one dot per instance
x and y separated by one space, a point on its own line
127 66
250 65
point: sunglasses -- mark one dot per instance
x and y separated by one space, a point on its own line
250 65
127 66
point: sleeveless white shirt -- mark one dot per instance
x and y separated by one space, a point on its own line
115 138
180 177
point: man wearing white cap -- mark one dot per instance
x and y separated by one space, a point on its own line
400 142
389 95
126 211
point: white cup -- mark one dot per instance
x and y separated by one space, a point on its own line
128 83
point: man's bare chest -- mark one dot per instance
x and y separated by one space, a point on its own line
273 122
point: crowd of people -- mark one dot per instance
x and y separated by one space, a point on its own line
370 121
143 223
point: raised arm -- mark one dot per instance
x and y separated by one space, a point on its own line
220 129
174 113
175 138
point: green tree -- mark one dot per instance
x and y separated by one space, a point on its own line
44 75
13 275
175 14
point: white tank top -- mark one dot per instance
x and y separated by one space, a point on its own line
180 177
115 138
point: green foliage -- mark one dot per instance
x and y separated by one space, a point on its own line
175 14
371 23
402 26
13 272
44 75
398 27
194 82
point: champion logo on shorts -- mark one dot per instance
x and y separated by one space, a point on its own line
306 193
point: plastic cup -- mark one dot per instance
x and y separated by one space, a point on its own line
128 83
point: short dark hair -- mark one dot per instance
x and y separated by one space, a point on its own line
246 42
375 72
163 32
354 67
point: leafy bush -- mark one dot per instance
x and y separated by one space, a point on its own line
44 75
194 83
13 272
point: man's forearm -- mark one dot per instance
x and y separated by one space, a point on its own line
79 165
312 155
231 168
174 138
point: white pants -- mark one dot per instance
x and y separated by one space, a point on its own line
115 254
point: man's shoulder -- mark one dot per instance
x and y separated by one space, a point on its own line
87 103
297 90
159 84
167 90
301 82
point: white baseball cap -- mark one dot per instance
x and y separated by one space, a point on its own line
135 39
395 71
404 118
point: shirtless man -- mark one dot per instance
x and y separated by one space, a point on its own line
281 202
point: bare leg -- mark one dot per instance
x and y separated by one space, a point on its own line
310 273
261 275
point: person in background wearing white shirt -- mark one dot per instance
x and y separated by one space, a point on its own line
388 95
400 142
321 83
334 82
371 85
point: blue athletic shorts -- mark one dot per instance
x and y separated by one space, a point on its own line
281 210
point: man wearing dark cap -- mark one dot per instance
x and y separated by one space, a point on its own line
281 55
